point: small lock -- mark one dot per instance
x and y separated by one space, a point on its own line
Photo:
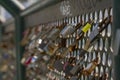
58 65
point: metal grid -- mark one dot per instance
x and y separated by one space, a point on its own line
102 48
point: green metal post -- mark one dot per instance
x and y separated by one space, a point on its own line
116 39
19 27
0 32
19 49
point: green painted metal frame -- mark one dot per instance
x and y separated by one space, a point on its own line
11 7
116 28
39 6
0 31
19 27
